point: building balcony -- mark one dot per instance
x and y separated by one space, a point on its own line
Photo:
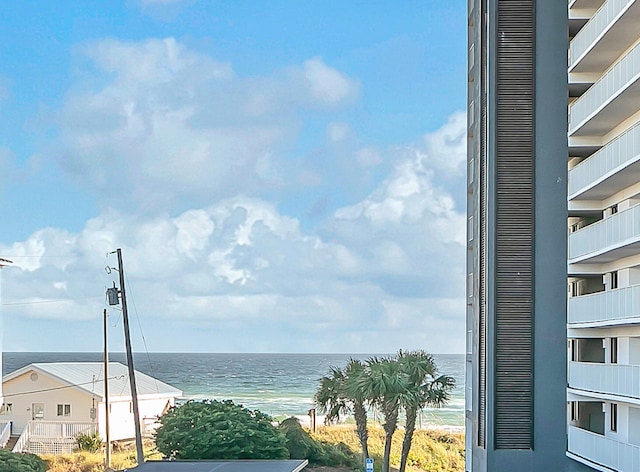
603 451
609 379
585 4
614 167
607 240
610 31
610 101
611 307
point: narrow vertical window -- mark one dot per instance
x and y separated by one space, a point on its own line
614 417
613 344
472 56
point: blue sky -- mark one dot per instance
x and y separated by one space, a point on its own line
282 176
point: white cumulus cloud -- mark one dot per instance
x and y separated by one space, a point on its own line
327 84
164 126
239 275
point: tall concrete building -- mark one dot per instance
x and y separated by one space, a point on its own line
604 234
551 388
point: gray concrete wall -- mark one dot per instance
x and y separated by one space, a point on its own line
550 439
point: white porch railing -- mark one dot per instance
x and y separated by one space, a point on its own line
610 85
605 451
5 434
614 379
22 442
614 157
603 307
607 234
48 437
600 22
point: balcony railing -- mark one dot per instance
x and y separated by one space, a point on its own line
615 156
605 451
613 379
48 437
598 24
609 86
593 4
605 307
605 235
5 433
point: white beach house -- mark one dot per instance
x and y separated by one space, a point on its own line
49 404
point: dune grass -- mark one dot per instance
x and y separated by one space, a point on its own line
431 451
83 461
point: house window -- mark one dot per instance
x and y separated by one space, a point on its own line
574 411
6 409
64 409
614 350
614 279
614 417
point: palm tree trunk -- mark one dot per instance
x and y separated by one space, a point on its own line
360 415
410 427
390 426
387 452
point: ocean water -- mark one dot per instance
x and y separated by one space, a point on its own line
276 384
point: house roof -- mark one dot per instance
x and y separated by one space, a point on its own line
222 466
89 377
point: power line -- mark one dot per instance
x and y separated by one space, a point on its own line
144 340
34 256
49 301
6 395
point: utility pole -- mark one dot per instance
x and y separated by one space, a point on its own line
3 263
106 393
127 341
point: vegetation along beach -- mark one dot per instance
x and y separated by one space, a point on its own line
277 384
284 385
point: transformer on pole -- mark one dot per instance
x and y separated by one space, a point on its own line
112 297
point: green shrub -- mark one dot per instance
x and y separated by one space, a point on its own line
89 442
302 446
218 430
19 462
299 443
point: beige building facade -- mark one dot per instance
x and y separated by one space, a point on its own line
65 399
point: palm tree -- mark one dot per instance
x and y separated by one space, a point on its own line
354 371
339 394
330 397
426 388
385 385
